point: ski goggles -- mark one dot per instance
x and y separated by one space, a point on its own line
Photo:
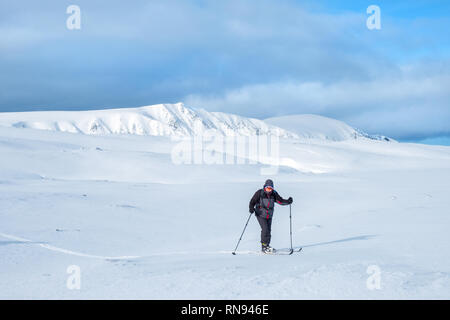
268 189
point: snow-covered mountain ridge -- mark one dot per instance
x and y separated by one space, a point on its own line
177 120
156 120
310 126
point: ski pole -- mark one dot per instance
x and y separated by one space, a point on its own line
290 224
234 252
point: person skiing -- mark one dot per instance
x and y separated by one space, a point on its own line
262 204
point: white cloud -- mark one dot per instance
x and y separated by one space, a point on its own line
401 105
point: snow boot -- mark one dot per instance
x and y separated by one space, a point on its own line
265 248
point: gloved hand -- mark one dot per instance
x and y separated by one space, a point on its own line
290 200
252 210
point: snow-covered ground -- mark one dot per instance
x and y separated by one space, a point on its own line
140 226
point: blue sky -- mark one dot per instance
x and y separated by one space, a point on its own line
254 58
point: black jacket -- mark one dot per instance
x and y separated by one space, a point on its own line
264 203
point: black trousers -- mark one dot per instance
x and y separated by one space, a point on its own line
266 226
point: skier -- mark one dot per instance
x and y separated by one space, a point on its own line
262 204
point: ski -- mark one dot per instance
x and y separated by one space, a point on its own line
275 252
291 251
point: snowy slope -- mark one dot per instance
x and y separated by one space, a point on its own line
140 226
312 126
157 120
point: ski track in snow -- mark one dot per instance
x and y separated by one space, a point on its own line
62 250
85 255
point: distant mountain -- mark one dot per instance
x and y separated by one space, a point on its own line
309 126
177 120
156 120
